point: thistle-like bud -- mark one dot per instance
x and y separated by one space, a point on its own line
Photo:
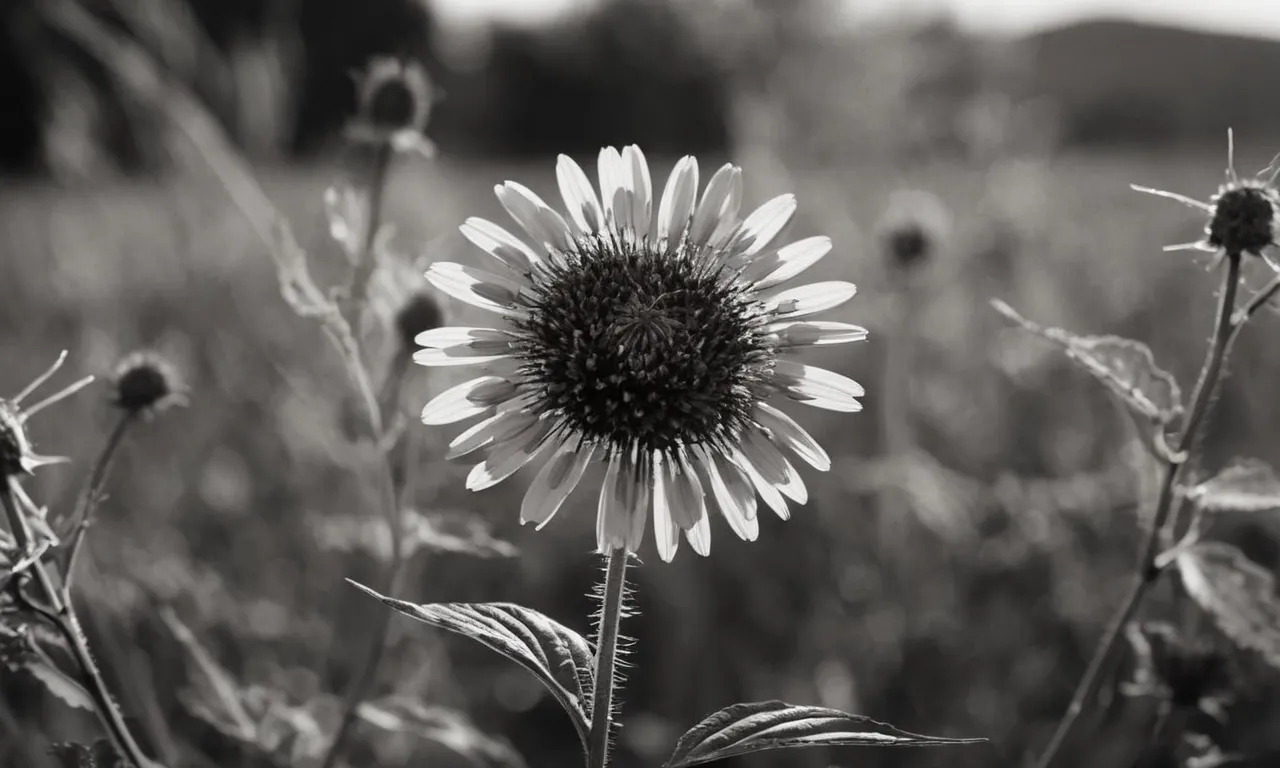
393 103
145 383
16 456
15 449
912 228
1246 217
419 313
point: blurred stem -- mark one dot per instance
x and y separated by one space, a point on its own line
1225 330
1155 736
895 424
359 287
89 499
615 583
367 675
62 614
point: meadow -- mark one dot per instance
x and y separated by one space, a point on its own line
971 612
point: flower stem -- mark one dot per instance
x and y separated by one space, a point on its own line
90 497
387 484
1225 330
63 615
615 581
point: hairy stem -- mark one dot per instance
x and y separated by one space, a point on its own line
390 497
615 581
1225 329
64 617
91 496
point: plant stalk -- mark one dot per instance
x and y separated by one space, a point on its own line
64 617
1225 331
615 581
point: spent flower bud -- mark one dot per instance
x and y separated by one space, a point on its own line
912 228
393 103
146 383
16 456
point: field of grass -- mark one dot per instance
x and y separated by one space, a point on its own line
972 613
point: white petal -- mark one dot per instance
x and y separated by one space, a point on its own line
499 243
707 216
815 333
790 434
777 267
699 536
678 492
734 494
677 200
545 226
640 188
623 497
507 458
460 402
763 225
817 386
462 346
773 466
767 490
498 428
455 335
579 197
808 299
476 287
609 164
666 534
554 482
728 222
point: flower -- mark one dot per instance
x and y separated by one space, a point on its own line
16 456
144 382
1244 214
648 341
912 227
393 103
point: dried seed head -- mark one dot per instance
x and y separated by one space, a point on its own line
144 382
393 102
1246 217
913 227
419 313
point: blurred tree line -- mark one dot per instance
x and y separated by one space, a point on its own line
278 75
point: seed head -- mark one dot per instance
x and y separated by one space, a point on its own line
14 447
1246 217
419 313
144 382
16 456
393 103
912 228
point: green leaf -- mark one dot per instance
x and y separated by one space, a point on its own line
1248 485
758 726
1125 366
99 754
555 654
21 650
1237 593
402 714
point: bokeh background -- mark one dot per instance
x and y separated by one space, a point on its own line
950 575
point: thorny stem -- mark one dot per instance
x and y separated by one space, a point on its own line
1224 333
615 581
394 574
89 499
64 617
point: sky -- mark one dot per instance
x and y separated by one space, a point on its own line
1260 18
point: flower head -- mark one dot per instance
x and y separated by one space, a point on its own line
393 103
16 456
912 228
647 341
144 382
1244 214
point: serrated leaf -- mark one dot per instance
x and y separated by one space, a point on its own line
1248 485
448 727
20 650
1125 366
99 754
555 654
758 726
1237 593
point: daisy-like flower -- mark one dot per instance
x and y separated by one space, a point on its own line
647 341
1244 214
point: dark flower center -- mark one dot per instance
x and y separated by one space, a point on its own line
419 314
142 386
1243 220
909 244
633 346
393 104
